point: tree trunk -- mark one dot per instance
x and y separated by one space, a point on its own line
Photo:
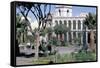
37 46
21 37
92 40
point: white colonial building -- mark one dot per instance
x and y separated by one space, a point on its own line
63 15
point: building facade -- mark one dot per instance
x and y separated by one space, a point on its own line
63 15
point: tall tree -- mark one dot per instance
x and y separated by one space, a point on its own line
91 22
41 15
61 29
21 31
18 26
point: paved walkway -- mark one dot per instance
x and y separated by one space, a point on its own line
69 49
24 61
61 50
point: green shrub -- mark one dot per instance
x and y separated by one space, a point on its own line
85 56
58 43
61 58
65 43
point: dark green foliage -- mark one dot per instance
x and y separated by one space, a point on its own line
49 30
21 29
59 29
42 48
54 41
85 56
31 38
90 21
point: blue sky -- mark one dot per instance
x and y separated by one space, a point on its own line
76 10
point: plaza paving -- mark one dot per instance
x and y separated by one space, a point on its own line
61 50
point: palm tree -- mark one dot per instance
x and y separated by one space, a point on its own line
90 22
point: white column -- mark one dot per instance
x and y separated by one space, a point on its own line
72 30
76 28
76 24
81 24
82 31
71 24
86 36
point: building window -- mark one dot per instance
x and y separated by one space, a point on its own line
79 24
59 12
60 22
67 11
65 22
74 24
56 22
69 22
